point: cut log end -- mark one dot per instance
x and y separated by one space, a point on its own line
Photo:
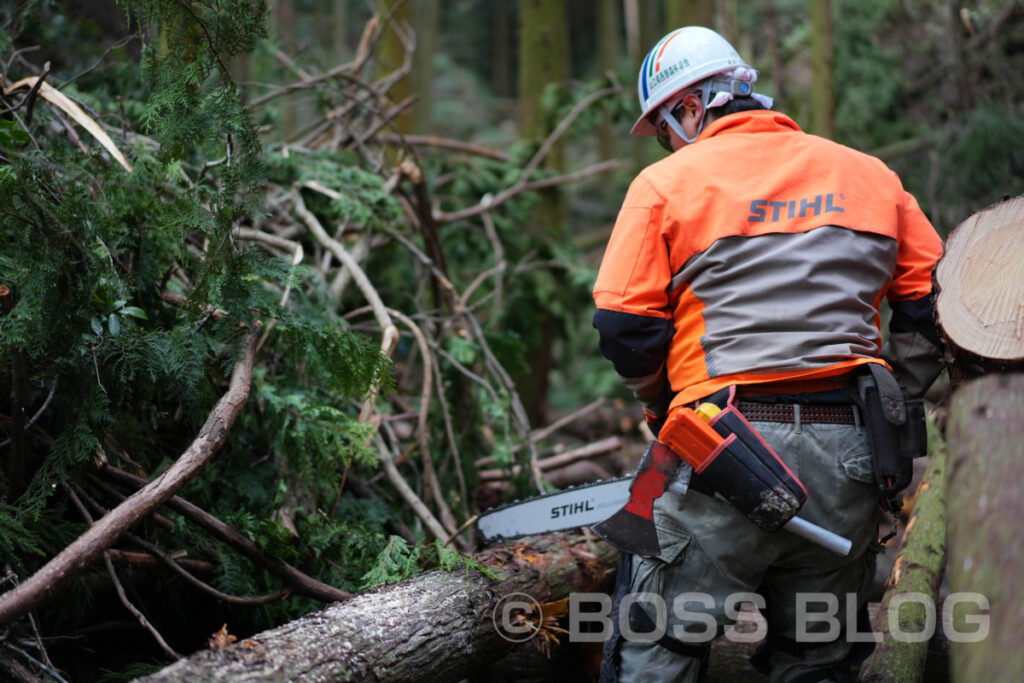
980 284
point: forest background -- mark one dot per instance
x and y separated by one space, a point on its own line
381 221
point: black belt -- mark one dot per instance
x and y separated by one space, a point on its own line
808 412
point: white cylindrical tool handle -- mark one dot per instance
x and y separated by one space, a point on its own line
815 533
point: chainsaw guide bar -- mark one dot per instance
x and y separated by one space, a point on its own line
579 506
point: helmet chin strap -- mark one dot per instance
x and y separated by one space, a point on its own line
673 122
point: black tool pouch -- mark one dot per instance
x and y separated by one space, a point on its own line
896 428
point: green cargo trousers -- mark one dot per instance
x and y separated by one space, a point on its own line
712 554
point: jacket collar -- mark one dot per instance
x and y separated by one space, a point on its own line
757 121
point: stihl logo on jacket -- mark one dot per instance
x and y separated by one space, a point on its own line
772 210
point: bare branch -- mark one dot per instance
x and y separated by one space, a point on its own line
441 143
453 444
408 495
562 126
524 183
296 250
340 71
139 616
518 411
255 601
88 547
293 578
545 432
422 427
389 333
380 311
612 443
489 203
430 475
168 650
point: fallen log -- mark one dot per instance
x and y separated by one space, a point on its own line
918 571
980 292
438 626
986 504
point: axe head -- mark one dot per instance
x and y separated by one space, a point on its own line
630 533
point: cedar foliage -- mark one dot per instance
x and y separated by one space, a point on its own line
87 250
115 371
129 292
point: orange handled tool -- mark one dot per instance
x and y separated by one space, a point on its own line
686 438
688 434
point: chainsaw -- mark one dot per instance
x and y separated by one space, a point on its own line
715 441
589 504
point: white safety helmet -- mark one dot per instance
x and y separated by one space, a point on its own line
679 60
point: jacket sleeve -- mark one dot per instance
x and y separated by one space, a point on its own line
637 347
631 294
913 348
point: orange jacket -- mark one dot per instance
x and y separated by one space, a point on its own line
758 254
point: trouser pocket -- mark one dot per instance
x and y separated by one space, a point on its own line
858 465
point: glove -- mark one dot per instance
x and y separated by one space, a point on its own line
654 422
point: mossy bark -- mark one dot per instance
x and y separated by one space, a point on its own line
918 570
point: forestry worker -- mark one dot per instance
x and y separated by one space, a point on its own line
755 257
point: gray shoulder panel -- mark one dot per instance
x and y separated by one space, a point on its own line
782 302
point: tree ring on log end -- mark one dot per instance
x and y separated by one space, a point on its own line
980 280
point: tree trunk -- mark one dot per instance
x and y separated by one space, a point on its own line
918 569
395 34
689 13
980 283
609 51
986 495
501 48
727 16
434 627
427 15
822 59
543 62
773 40
641 35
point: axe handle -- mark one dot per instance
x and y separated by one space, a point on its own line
823 537
680 483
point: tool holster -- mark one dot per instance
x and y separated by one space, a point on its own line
736 462
897 432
